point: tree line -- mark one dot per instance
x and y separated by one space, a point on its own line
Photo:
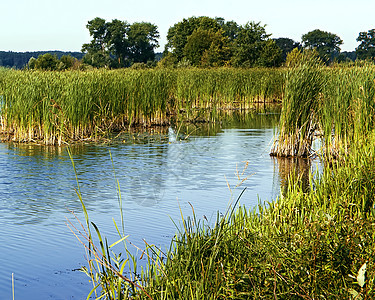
195 41
19 60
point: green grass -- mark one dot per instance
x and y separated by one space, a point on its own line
57 107
337 104
300 112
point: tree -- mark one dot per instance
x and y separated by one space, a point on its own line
251 42
142 42
286 45
270 55
219 53
97 53
118 44
178 34
197 43
66 62
32 62
47 62
207 48
326 44
366 48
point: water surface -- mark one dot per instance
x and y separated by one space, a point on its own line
159 172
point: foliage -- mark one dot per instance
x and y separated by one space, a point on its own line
49 62
208 42
366 48
178 34
118 44
286 45
20 60
250 46
207 48
327 44
143 40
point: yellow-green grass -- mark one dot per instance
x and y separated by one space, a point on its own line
53 107
334 104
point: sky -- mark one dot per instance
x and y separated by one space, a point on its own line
44 25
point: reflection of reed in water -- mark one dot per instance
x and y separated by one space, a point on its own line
294 167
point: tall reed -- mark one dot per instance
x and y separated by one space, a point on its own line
54 107
299 115
348 106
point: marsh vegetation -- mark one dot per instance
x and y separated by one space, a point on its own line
312 242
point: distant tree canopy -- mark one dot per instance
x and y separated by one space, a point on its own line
366 48
119 44
210 42
50 62
325 43
195 41
19 60
286 45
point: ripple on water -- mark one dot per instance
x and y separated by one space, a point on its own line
157 179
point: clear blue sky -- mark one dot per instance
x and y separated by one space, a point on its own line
27 25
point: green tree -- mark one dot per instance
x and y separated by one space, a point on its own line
219 53
366 48
32 62
327 44
47 62
118 44
230 28
143 39
197 43
251 42
66 62
207 48
286 45
97 53
178 34
270 55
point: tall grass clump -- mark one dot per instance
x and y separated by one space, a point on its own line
348 108
300 108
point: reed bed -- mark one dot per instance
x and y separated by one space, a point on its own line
57 107
348 108
334 104
301 104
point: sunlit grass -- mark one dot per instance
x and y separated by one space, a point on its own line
57 107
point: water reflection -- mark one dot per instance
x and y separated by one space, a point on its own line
296 168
